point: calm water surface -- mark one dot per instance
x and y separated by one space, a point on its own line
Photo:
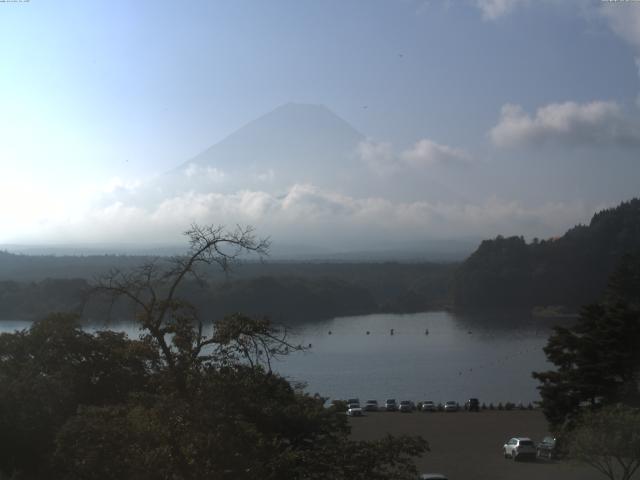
490 357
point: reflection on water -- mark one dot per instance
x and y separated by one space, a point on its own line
461 356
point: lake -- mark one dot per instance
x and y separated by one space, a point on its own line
488 356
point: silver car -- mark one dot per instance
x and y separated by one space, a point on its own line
428 406
354 410
371 406
451 406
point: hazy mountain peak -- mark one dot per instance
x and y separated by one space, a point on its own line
288 130
294 143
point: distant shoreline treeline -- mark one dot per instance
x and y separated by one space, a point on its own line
503 273
287 292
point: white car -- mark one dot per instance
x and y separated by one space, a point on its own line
519 448
451 406
371 406
428 406
354 410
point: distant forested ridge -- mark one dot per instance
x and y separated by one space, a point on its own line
570 271
33 286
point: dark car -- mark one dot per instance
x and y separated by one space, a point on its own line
406 406
391 405
473 405
546 448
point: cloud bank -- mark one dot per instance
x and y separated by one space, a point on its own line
569 123
308 214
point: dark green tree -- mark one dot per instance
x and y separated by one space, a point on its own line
597 359
47 372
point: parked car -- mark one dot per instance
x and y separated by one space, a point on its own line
546 448
428 406
353 400
406 406
432 476
473 405
451 406
390 405
519 448
371 406
354 410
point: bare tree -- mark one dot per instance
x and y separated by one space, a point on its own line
609 441
173 325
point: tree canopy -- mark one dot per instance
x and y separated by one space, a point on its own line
192 399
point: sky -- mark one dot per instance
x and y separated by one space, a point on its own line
528 112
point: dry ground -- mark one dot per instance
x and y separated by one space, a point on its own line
468 446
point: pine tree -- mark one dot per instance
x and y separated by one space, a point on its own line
597 359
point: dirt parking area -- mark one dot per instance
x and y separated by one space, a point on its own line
467 446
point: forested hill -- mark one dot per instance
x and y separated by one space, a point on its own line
33 286
571 270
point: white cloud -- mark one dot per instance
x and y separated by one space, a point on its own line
428 153
378 156
594 123
624 20
268 176
493 9
118 184
211 174
425 153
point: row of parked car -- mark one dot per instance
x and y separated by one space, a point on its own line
406 406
